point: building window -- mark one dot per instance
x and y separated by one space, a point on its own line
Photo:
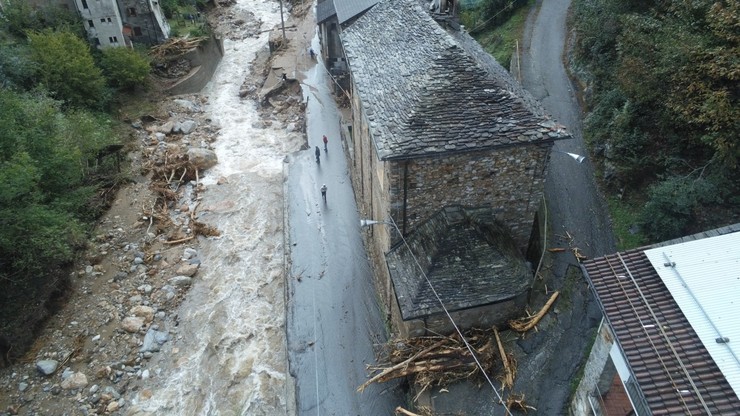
84 4
113 39
109 20
97 42
102 20
90 23
131 11
137 31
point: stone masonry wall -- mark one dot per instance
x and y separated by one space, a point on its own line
511 180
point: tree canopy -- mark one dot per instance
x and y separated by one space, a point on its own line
664 107
66 68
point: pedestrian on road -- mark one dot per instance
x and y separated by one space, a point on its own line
318 155
313 54
326 141
323 192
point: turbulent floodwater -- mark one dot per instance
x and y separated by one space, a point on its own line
229 355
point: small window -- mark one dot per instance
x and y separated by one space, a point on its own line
113 39
131 11
109 20
84 4
97 42
102 20
90 23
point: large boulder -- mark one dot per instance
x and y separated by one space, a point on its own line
202 158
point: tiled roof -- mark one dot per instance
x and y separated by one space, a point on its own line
324 10
348 9
469 260
669 361
427 91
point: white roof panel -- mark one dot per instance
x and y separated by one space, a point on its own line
703 277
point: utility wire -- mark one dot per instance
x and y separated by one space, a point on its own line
470 349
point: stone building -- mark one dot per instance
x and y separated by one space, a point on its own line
332 16
437 122
455 242
113 23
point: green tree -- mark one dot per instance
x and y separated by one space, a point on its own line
67 69
125 68
19 16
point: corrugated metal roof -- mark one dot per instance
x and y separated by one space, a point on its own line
703 277
667 358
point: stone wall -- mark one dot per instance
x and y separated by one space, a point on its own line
204 60
511 180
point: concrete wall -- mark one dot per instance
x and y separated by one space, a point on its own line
204 59
592 373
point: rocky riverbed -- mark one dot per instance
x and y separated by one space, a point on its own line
104 346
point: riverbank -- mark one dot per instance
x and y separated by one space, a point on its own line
123 335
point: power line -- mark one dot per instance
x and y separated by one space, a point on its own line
467 345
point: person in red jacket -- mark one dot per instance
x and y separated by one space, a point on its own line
325 143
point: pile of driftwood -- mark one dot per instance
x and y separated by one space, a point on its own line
173 48
168 173
439 360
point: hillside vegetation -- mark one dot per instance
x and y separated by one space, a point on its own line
661 92
58 153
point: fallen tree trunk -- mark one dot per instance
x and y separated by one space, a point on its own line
525 324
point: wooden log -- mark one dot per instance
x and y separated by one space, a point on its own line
525 325
397 366
508 377
401 411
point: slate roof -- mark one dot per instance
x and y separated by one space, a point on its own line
638 304
348 9
426 91
325 10
469 260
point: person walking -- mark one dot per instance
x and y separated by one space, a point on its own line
323 192
326 141
318 155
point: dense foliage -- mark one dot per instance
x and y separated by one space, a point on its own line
663 98
53 92
66 68
125 68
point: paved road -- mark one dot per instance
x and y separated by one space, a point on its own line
571 193
574 206
333 315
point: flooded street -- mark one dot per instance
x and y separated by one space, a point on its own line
229 355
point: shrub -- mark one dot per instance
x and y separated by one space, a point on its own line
672 205
125 68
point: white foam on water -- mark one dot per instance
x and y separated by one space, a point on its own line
231 334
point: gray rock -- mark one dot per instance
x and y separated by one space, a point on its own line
187 269
75 381
181 281
22 386
202 158
189 253
186 127
187 105
113 392
132 324
153 340
47 367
